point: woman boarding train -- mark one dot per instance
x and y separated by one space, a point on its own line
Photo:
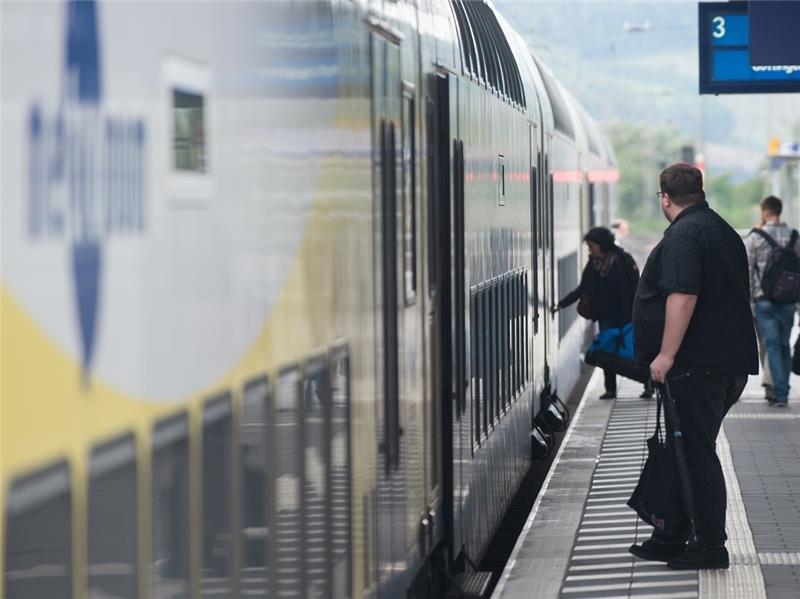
606 291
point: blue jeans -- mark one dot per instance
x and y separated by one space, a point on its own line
775 324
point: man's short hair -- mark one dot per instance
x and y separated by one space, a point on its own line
683 183
772 205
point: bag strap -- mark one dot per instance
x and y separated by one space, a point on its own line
659 402
792 239
769 239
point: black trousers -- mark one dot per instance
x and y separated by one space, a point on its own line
703 399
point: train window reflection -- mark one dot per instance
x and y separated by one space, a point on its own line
189 141
316 499
112 523
409 199
340 474
170 510
38 536
217 499
289 527
256 497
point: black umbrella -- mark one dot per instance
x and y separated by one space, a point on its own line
674 420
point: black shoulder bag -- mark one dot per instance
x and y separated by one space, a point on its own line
663 495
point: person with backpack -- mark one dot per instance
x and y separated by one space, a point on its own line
773 253
606 291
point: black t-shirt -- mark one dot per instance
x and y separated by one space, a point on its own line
700 254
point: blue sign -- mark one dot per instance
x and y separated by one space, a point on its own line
774 26
725 55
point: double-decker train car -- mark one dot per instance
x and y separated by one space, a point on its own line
277 291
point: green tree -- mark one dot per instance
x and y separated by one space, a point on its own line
642 150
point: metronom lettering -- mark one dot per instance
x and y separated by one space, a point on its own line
86 174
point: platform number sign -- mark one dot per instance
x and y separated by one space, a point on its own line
724 52
718 24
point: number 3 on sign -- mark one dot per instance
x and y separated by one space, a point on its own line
719 27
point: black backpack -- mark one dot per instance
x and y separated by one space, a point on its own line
780 280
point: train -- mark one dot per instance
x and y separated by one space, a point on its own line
278 283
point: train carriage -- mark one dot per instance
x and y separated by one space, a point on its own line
277 283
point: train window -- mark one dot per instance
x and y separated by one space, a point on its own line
257 507
170 509
459 308
409 197
592 205
316 498
515 324
489 366
563 120
340 461
189 137
478 34
486 50
521 322
432 195
495 351
535 243
483 308
592 135
501 180
473 366
523 339
467 40
389 295
38 537
113 520
217 496
497 74
507 340
526 332
517 92
551 228
288 510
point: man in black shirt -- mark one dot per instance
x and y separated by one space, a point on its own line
693 328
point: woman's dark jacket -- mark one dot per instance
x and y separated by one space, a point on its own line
610 296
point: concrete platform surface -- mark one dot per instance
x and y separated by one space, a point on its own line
574 543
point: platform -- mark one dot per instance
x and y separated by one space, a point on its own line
574 543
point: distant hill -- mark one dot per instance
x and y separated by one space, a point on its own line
647 73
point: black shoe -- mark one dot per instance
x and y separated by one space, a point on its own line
700 557
779 404
657 552
608 395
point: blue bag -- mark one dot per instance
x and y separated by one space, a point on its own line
612 351
617 341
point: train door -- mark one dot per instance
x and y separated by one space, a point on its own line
446 267
433 411
388 268
544 244
536 287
